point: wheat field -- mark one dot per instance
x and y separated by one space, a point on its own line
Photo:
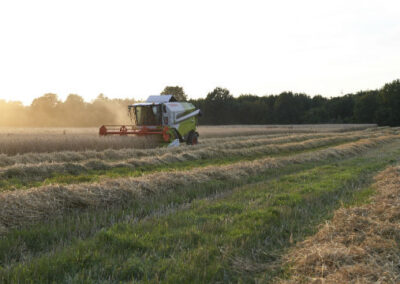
247 204
32 140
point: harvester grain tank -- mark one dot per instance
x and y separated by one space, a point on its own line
174 121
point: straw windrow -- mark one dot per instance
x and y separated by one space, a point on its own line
40 171
359 245
123 154
27 206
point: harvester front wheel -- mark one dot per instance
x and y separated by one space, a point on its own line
192 138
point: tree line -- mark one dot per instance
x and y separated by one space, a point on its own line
381 106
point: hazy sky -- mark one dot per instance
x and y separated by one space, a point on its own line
136 48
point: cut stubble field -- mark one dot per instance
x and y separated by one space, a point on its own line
237 207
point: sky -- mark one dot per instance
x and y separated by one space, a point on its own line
132 49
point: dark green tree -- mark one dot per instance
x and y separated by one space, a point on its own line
289 108
365 106
341 109
389 106
176 91
219 106
219 95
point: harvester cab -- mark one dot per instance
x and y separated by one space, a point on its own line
174 121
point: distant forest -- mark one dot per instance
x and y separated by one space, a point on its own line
380 106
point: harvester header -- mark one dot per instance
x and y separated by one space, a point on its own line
160 115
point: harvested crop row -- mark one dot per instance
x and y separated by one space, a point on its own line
359 245
27 206
258 141
123 154
222 140
225 131
41 171
120 154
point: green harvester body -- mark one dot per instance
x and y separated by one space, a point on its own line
161 115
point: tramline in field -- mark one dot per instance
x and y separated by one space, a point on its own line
162 115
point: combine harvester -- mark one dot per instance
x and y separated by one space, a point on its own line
175 122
